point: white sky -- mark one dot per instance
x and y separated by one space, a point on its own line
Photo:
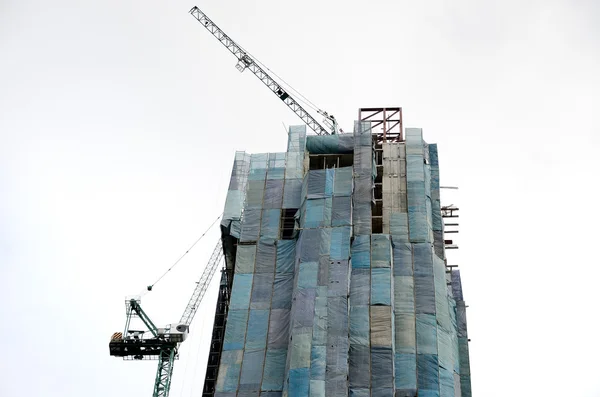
118 126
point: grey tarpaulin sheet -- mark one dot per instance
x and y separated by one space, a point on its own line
359 325
340 243
382 367
262 288
294 165
405 336
258 166
423 261
446 382
279 328
296 138
252 369
426 334
427 374
381 320
282 291
258 323
273 193
341 213
254 194
404 294
240 294
318 358
274 370
320 184
424 280
234 202
236 330
435 188
229 370
286 254
276 166
342 185
456 285
302 314
403 258
265 256
363 178
406 373
292 193
361 252
250 225
445 349
465 372
320 316
381 250
360 287
461 319
381 283
360 364
415 177
399 226
245 257
269 227
424 295
441 294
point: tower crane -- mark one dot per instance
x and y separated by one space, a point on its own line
161 344
246 61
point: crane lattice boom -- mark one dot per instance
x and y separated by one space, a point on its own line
202 285
245 61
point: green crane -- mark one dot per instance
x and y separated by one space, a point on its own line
161 344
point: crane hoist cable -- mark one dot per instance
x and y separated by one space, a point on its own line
149 288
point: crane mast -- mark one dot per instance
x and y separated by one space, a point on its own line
163 343
245 61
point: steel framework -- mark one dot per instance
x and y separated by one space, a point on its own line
389 120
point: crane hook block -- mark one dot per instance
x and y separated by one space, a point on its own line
149 288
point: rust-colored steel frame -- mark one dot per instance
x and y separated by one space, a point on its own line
389 120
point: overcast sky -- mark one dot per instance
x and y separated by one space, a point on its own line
118 126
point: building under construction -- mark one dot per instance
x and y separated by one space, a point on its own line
336 279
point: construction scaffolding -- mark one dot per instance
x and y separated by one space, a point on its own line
339 279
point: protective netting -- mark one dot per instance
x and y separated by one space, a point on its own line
318 351
333 309
236 194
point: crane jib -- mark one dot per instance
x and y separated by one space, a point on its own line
246 61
